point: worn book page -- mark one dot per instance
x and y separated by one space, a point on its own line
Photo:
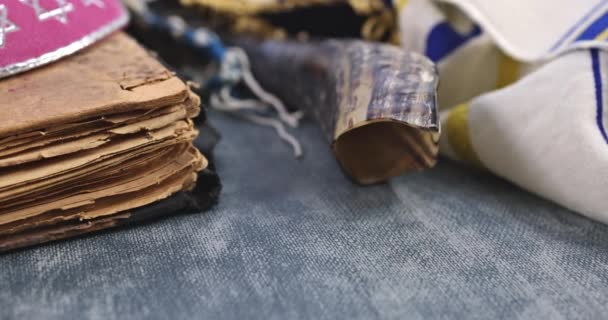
99 80
86 139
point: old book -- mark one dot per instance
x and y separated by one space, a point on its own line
94 141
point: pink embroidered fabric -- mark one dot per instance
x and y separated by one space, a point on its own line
36 32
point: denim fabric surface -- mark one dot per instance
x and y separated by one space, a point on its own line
296 240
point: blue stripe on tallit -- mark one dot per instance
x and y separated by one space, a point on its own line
443 40
595 28
580 22
599 99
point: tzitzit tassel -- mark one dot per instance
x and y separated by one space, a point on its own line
234 69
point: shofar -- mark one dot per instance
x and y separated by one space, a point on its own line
375 103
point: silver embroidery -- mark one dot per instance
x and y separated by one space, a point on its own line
60 13
87 40
6 26
97 3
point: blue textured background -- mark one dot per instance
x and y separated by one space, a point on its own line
296 239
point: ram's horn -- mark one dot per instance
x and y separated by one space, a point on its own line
375 103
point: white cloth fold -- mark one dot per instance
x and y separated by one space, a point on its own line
522 90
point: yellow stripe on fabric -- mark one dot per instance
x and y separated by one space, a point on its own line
400 4
508 71
602 36
396 36
458 134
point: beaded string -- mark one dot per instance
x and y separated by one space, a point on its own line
234 68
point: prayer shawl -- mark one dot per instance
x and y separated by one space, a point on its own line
522 90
